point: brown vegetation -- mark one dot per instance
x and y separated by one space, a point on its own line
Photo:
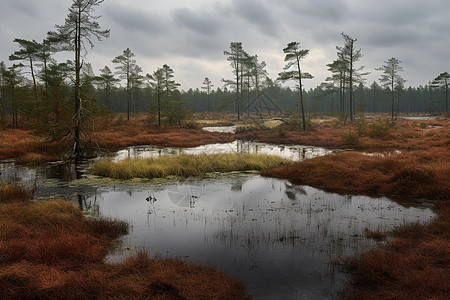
25 147
414 174
415 264
372 134
48 250
112 134
121 133
115 132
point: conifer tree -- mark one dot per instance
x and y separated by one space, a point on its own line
390 78
79 29
294 54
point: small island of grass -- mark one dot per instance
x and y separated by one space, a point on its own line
185 165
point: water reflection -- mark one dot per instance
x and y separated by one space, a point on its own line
292 152
53 180
89 206
276 237
419 118
63 171
223 129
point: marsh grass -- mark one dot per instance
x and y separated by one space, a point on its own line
123 133
27 148
375 235
415 263
48 250
378 133
415 174
184 165
32 159
13 193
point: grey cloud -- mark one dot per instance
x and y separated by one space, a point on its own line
414 31
133 28
318 10
132 19
257 13
201 22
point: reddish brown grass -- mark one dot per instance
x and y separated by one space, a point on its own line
117 133
28 148
375 235
167 137
416 174
48 250
137 131
415 265
405 134
13 193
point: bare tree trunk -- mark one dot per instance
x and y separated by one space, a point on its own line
301 94
351 80
77 129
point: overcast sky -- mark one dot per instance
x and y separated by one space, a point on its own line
191 35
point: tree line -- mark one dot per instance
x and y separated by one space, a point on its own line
60 96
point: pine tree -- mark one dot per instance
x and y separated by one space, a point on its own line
294 54
80 27
390 78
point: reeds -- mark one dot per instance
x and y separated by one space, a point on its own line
48 250
184 165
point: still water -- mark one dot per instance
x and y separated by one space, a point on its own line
278 238
291 152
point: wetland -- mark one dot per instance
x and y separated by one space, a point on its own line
282 240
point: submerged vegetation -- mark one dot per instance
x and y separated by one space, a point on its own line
51 251
415 263
184 165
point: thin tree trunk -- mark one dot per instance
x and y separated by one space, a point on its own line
77 151
351 81
34 79
392 99
446 95
301 94
159 110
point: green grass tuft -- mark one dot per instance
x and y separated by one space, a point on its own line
184 165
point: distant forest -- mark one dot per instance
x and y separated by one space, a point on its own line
54 94
373 99
36 87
